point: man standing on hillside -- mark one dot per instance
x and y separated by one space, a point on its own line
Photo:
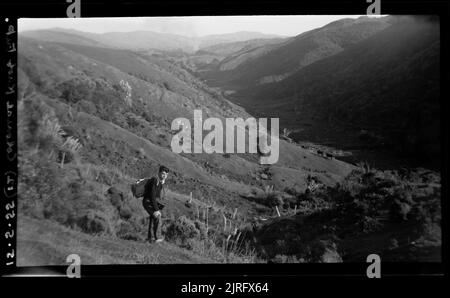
154 189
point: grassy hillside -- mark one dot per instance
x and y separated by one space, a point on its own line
44 243
227 56
284 59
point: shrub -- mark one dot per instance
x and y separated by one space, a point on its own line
370 224
271 197
201 227
49 127
291 191
133 120
427 210
181 230
367 196
115 196
74 90
87 107
41 128
39 182
323 251
401 203
275 200
126 213
60 212
93 222
120 120
72 144
312 183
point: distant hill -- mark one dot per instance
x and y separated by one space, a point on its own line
232 48
238 53
137 40
141 40
387 84
228 55
65 36
211 40
297 52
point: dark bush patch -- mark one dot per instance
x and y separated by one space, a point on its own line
181 230
93 222
201 227
74 90
290 190
115 196
126 212
275 199
87 107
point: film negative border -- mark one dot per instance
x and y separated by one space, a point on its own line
9 146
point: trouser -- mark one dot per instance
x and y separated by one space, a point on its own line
154 226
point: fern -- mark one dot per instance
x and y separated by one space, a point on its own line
268 190
50 127
72 144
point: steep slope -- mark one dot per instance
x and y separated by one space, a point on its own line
229 48
227 55
248 52
94 119
387 84
297 53
153 90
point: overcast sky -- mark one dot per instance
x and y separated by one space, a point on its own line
189 26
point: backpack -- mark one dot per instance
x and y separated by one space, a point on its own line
138 187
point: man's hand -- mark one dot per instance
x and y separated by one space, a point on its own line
156 213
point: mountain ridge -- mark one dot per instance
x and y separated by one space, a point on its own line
146 39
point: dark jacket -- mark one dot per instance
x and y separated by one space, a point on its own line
152 194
